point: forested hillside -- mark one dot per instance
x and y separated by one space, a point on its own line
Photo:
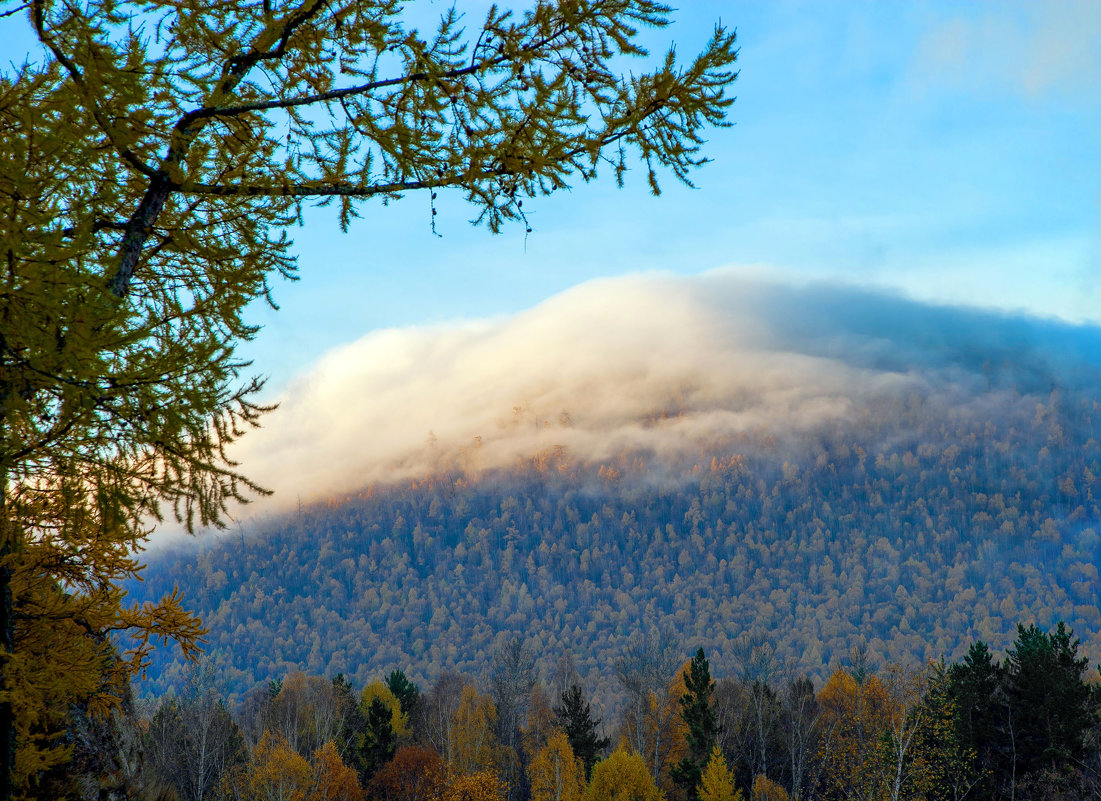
920 522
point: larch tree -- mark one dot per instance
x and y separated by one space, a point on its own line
716 780
154 155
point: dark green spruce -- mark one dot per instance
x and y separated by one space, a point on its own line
379 741
696 711
575 717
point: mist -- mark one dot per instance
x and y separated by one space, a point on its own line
651 363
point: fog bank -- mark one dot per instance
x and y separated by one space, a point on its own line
652 362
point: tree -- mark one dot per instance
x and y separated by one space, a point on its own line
622 777
764 789
483 785
700 722
474 741
407 693
950 766
332 779
276 772
1053 705
854 720
555 773
415 773
904 687
575 718
379 740
511 679
650 718
192 741
154 155
716 780
801 716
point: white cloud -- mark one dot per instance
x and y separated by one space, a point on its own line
650 363
1032 48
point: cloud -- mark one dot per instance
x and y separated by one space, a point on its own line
1031 48
652 363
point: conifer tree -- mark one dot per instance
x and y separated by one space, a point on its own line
575 718
407 693
378 742
700 721
154 155
716 780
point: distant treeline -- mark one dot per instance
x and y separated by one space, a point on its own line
920 525
1026 726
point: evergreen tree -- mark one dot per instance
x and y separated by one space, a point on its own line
575 717
1052 705
378 742
406 691
700 720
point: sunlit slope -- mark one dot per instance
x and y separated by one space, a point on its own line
928 479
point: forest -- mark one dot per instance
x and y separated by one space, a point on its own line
1025 725
920 525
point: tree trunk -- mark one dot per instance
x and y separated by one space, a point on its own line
7 630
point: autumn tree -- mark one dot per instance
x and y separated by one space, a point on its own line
555 773
622 777
575 718
650 718
275 773
332 780
482 785
764 789
854 719
541 722
475 744
416 773
153 156
716 780
699 721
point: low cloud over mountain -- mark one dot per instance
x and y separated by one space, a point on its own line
653 364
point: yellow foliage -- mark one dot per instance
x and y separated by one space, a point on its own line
276 772
474 739
622 777
764 789
482 785
377 689
145 190
857 716
332 779
555 773
716 781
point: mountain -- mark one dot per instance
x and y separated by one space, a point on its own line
826 465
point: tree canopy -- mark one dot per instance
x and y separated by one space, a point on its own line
155 154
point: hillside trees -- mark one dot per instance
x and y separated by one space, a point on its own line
154 155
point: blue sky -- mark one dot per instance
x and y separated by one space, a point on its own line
951 151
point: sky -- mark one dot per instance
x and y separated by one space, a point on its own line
945 153
948 151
